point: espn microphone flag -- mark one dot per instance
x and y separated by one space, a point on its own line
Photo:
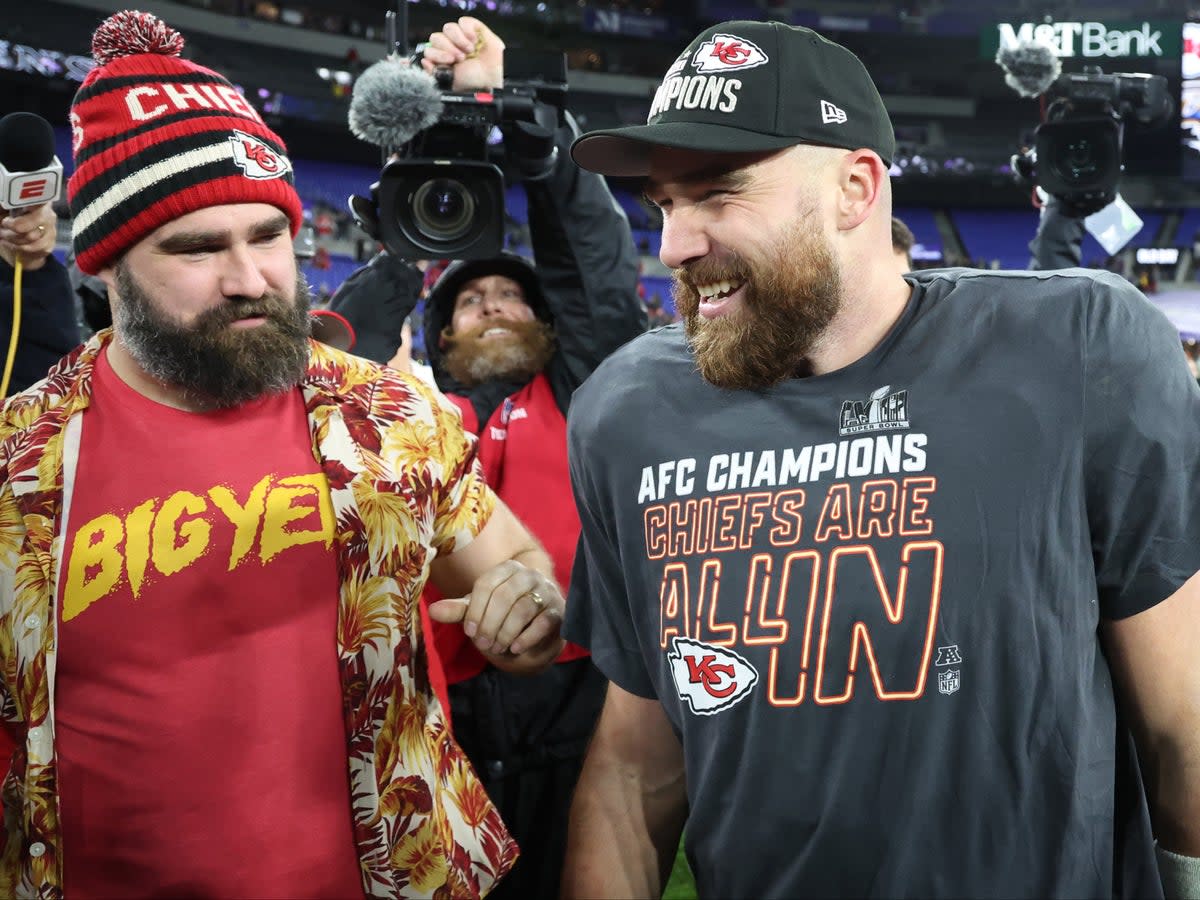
30 173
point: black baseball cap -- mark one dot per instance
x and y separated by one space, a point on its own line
743 86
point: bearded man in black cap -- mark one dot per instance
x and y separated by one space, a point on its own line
889 570
509 344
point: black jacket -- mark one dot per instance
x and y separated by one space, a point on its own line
1058 243
587 264
49 327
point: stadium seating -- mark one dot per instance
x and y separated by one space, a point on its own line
923 225
1187 229
1000 235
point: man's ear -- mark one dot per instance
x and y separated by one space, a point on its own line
109 276
861 178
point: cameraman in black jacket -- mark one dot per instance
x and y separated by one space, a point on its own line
1058 243
518 340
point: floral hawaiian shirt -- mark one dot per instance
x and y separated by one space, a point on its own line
405 486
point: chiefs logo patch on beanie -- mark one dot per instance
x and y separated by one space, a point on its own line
156 137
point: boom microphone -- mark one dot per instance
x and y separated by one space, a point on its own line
1030 67
392 102
30 173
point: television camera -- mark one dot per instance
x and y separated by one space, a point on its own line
1078 148
448 155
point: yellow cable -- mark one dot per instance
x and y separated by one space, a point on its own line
16 325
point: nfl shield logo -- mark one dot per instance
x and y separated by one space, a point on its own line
948 681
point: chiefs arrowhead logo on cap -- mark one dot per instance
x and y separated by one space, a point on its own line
256 159
710 679
723 52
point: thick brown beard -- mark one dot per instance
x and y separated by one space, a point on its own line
793 291
217 366
471 361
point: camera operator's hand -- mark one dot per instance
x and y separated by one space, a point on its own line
472 50
376 300
31 235
402 359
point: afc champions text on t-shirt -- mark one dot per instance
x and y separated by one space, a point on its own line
756 498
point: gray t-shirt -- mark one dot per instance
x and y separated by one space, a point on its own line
868 600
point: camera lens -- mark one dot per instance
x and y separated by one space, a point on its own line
1079 160
443 209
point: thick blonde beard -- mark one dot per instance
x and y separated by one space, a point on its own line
471 361
793 292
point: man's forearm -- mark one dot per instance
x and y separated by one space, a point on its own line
1174 776
537 558
1156 674
623 832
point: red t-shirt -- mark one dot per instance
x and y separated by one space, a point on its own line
523 450
200 743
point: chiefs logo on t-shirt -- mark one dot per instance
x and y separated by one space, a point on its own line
723 52
256 158
709 678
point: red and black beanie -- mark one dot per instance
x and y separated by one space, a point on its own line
156 137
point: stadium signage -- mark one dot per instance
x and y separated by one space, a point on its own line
629 24
1092 40
1157 256
48 63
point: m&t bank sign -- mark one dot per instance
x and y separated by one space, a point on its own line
1089 40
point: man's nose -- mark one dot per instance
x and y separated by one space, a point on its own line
683 238
241 275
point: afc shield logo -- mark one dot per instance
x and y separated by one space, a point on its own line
948 656
256 159
723 52
948 681
710 679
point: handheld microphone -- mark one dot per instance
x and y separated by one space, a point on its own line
30 173
1030 67
392 102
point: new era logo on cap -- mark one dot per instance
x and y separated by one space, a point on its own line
832 115
723 52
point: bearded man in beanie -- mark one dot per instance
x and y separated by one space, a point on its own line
891 566
509 342
215 534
